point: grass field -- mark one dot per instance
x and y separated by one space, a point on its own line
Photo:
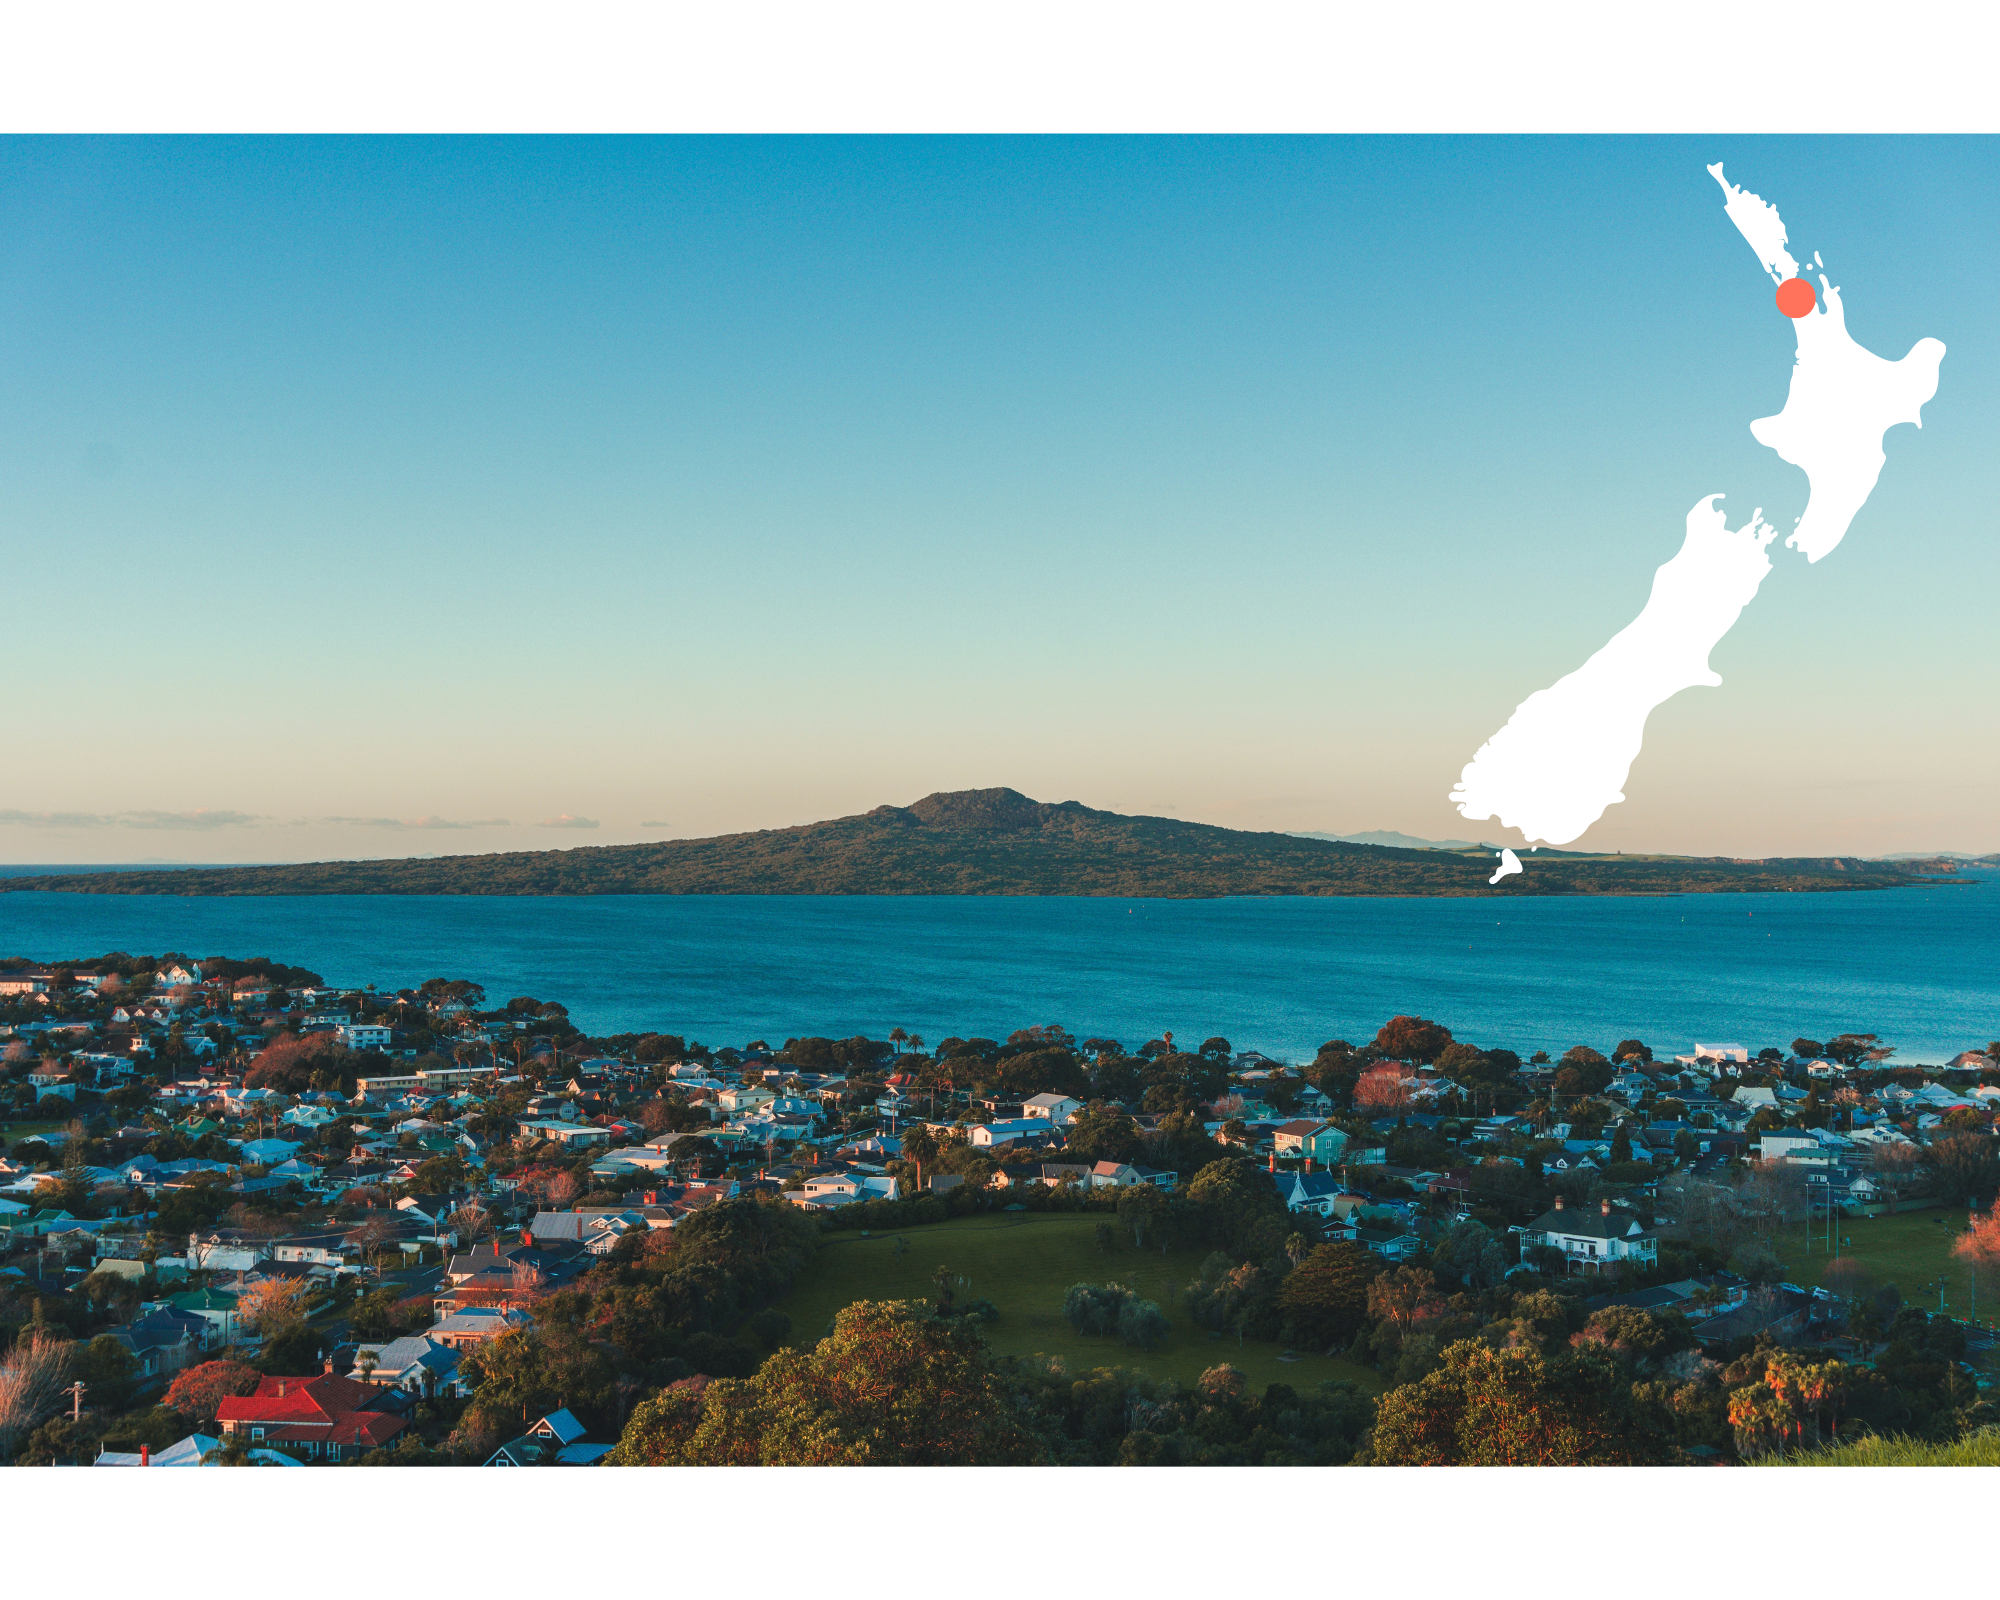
1912 1250
1023 1264
1982 1449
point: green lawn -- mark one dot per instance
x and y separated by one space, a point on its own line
1912 1250
1023 1264
1982 1449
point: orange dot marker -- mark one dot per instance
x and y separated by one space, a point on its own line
1796 297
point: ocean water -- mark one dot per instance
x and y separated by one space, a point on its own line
1920 967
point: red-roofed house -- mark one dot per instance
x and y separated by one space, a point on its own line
1317 1141
321 1418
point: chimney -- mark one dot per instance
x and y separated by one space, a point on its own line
328 1367
1274 1161
1309 1166
1604 1206
145 1454
1559 1202
281 1388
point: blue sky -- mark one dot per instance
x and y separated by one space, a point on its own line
687 485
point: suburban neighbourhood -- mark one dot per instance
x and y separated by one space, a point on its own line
248 1217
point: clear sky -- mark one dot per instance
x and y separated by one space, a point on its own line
666 487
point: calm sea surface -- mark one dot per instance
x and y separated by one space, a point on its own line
1920 967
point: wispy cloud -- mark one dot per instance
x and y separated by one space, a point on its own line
193 821
417 822
566 821
656 824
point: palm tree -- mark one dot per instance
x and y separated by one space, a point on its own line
897 1037
228 1451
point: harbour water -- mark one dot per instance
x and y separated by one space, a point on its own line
1916 966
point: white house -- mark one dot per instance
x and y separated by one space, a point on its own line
1058 1109
365 1035
1713 1052
844 1188
1784 1144
1592 1240
568 1134
221 1255
985 1134
412 1363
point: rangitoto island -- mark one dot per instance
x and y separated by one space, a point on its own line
999 842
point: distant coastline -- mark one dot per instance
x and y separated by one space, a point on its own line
999 842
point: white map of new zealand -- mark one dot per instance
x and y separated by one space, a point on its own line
1567 750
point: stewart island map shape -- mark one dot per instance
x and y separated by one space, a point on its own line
1565 754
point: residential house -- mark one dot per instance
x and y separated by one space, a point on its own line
745 1099
225 1250
1315 1141
1310 1191
1391 1244
475 1325
415 1363
844 1188
1787 1144
325 1418
569 1135
566 1227
187 1452
986 1135
1781 1311
1057 1109
165 1339
1592 1240
557 1440
216 1307
329 1249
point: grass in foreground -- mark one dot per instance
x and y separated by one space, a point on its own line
1023 1263
1981 1450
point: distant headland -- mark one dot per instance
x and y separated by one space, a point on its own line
999 842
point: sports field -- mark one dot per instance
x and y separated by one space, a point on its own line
1023 1263
1912 1250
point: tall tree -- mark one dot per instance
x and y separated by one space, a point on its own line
197 1391
1412 1039
1515 1408
1963 1166
890 1386
1324 1300
1407 1297
1140 1206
